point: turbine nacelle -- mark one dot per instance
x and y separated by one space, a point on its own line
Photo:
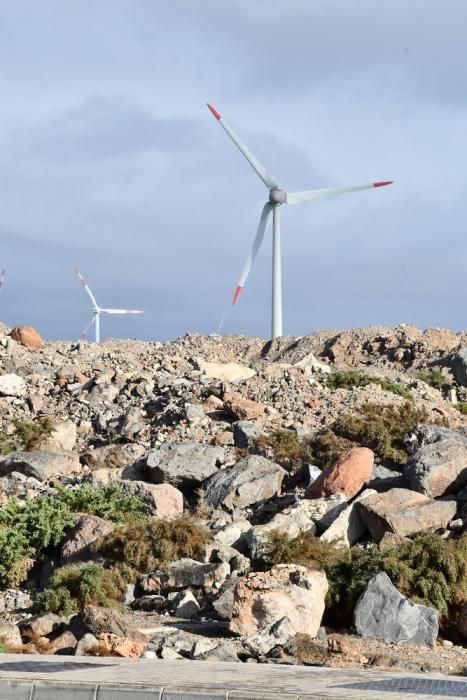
277 196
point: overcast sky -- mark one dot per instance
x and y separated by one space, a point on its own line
110 161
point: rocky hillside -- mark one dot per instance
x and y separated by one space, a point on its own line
227 498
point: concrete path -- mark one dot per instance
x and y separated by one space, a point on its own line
90 678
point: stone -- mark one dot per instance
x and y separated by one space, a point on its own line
287 590
459 366
188 572
65 643
310 364
86 645
163 500
243 409
12 600
185 465
26 336
41 625
12 385
113 457
61 439
226 371
150 603
247 482
77 545
233 534
40 465
270 638
292 522
348 475
404 512
382 479
10 634
224 651
113 645
312 472
224 602
348 527
98 621
185 605
170 654
425 434
383 613
245 434
462 622
439 468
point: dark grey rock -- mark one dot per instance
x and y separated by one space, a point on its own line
270 638
459 366
383 613
425 434
40 465
223 603
185 465
383 478
225 651
245 433
439 468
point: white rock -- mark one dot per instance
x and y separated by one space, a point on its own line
348 527
12 385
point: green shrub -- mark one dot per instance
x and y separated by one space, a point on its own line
3 647
462 407
26 436
353 378
326 447
107 502
285 446
381 428
146 545
432 377
74 586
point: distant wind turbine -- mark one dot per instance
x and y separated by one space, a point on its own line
2 279
277 197
97 310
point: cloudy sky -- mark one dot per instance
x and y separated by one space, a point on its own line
110 161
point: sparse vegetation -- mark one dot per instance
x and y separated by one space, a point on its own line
74 586
286 447
25 435
107 502
433 377
146 545
352 378
462 407
3 647
326 447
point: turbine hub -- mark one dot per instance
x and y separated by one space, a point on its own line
277 196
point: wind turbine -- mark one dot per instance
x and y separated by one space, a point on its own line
2 279
277 197
97 310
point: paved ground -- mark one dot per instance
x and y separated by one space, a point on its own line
89 678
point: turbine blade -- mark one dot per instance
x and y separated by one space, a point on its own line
264 221
86 287
122 311
299 197
268 179
85 331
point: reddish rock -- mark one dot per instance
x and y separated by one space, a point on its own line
27 336
113 645
243 409
77 546
348 475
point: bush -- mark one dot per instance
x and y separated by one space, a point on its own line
432 377
381 428
285 446
326 447
428 569
26 436
74 586
147 545
107 502
3 647
353 378
462 407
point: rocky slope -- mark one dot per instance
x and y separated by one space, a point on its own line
269 468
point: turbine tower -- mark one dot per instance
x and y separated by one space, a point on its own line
277 197
2 279
97 310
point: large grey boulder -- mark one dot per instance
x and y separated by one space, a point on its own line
40 465
271 638
189 572
250 481
438 469
384 613
61 438
459 366
404 512
425 434
185 465
348 527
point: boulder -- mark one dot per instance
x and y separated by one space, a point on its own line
9 634
425 434
77 546
61 439
459 366
383 613
287 590
185 465
188 572
113 457
310 364
114 645
226 371
225 651
439 468
348 527
26 336
86 645
40 465
271 638
41 625
347 475
185 605
223 604
98 621
65 643
163 500
233 534
247 482
462 622
243 409
404 512
245 434
12 385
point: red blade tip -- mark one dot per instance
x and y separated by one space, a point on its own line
237 294
383 184
214 111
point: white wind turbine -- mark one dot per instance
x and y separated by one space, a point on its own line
97 310
2 279
277 197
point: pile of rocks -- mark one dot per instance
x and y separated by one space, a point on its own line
175 424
